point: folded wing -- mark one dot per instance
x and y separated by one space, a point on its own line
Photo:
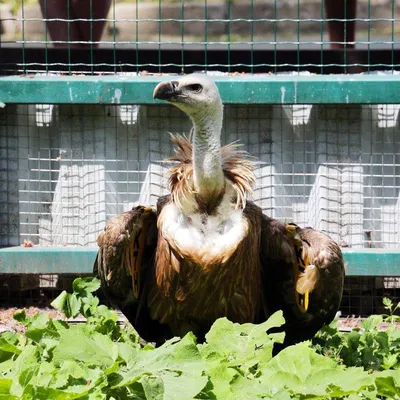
125 264
302 274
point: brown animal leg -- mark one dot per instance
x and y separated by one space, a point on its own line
60 30
91 9
339 31
83 31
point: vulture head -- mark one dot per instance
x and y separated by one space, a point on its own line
196 95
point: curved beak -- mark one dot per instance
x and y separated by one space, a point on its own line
166 90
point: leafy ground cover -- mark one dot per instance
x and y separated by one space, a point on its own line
99 359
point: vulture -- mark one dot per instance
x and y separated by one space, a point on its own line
207 251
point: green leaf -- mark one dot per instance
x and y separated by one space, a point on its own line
181 385
127 352
372 322
301 370
59 325
100 360
5 385
69 304
350 352
47 393
47 336
242 345
8 345
246 389
177 364
388 383
76 378
282 395
387 303
174 354
84 286
6 367
77 344
221 377
389 361
74 305
61 301
21 317
153 387
23 369
44 375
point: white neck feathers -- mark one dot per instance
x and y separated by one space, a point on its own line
208 175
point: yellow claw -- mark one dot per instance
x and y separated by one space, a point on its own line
306 300
299 265
302 301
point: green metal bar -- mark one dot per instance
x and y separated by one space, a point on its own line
372 262
47 260
264 89
80 260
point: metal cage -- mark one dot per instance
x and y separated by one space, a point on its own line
81 139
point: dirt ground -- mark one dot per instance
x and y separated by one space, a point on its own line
7 323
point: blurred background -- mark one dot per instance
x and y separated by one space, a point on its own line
250 35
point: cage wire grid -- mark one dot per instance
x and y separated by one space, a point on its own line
67 169
246 35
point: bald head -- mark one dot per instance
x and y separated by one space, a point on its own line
194 94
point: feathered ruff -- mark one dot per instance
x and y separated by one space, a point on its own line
236 164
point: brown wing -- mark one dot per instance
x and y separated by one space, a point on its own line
125 263
278 256
321 279
324 275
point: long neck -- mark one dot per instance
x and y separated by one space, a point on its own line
208 175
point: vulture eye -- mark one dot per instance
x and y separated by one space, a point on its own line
195 88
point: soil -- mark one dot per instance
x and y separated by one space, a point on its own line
7 322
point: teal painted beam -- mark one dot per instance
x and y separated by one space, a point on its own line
372 262
76 260
47 260
251 89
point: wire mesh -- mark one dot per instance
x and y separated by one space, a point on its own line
67 169
161 36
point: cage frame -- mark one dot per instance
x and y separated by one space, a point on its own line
242 89
234 89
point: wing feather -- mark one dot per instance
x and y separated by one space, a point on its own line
126 254
321 279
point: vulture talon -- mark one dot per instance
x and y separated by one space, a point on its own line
299 266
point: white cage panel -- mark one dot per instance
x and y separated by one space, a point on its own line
66 169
